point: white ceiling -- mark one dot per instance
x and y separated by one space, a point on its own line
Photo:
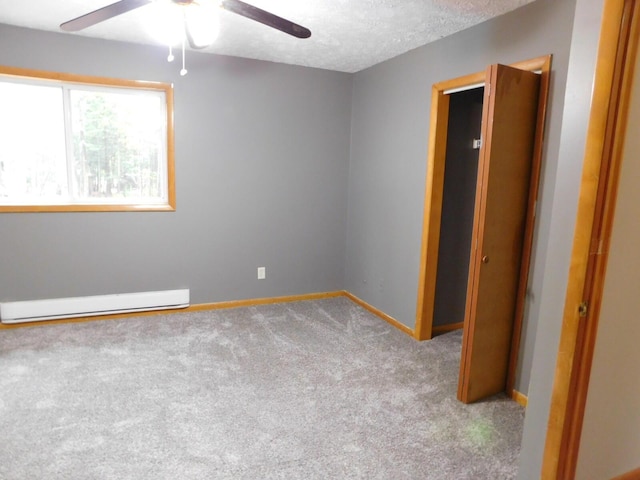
347 35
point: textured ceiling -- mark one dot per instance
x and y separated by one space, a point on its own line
347 35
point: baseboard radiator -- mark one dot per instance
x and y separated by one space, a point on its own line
57 308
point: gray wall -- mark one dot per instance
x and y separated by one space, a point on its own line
586 32
262 153
390 122
254 191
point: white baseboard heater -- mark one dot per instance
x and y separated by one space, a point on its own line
56 308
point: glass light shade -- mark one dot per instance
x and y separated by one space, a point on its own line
166 22
202 23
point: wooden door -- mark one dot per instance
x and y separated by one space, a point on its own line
508 131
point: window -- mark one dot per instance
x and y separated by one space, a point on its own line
75 143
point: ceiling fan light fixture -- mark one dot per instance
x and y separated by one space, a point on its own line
174 22
202 24
165 23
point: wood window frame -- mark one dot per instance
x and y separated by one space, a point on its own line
165 88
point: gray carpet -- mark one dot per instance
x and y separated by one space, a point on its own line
306 390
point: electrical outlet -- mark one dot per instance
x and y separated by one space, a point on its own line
262 273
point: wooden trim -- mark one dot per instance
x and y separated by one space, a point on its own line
171 166
162 207
601 232
433 202
631 475
618 42
223 305
263 301
379 313
460 82
531 65
432 212
441 329
519 398
193 308
93 318
544 65
83 79
56 77
62 321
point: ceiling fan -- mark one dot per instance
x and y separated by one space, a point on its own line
191 21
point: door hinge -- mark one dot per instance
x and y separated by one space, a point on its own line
583 309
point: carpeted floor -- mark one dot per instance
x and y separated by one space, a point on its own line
306 390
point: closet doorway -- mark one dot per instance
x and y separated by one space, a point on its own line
479 269
458 201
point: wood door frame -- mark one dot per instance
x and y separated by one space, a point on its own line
433 201
615 68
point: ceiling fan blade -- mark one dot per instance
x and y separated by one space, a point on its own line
267 18
102 14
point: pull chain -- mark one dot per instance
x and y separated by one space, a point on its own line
183 72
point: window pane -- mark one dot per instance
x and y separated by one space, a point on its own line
118 142
32 157
80 143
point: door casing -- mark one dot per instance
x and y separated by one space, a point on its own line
619 41
434 193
